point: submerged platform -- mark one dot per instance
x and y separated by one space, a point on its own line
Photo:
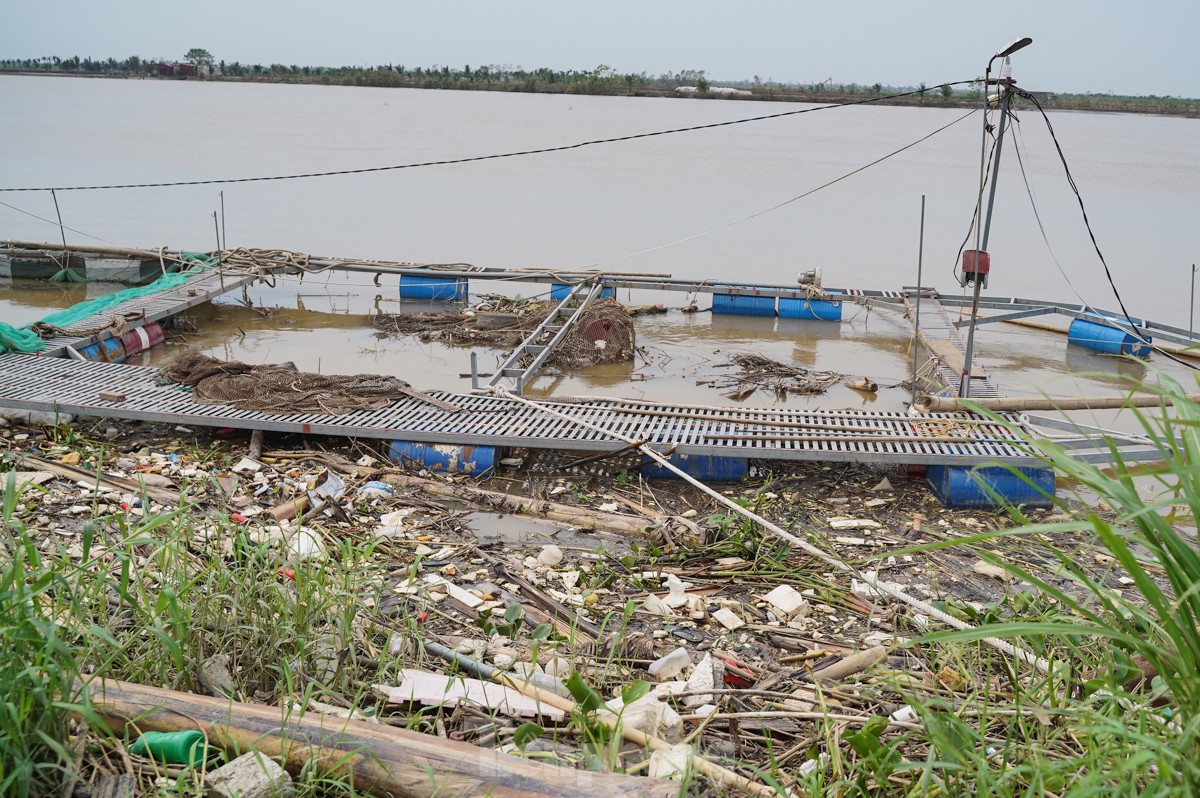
199 288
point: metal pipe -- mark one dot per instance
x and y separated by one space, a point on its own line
1192 304
964 384
220 264
917 313
987 224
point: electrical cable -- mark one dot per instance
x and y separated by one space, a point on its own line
494 156
727 225
974 218
1091 234
1019 143
64 227
779 205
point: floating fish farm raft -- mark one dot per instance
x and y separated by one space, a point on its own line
971 460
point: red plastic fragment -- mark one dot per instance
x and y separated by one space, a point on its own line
737 676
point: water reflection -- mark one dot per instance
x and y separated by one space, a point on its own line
1120 370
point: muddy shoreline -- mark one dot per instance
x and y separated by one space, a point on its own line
685 574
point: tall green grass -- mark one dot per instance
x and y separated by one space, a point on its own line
143 600
38 673
1120 713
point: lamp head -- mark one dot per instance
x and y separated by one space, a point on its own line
1013 46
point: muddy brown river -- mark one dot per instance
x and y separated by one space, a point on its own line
670 198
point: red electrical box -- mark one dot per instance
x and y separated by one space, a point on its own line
976 264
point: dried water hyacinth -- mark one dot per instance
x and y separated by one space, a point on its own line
603 332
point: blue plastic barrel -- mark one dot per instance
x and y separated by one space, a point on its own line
959 487
820 309
741 304
1105 338
701 466
110 350
477 461
435 289
560 291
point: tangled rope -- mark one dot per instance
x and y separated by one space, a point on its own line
116 326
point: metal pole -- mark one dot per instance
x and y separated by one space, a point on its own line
964 383
920 290
1192 304
63 232
66 259
220 265
964 389
224 239
987 223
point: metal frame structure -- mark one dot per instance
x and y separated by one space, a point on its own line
71 386
511 369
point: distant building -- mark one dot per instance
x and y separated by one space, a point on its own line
174 69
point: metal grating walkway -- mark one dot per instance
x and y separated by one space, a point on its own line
200 288
941 338
73 386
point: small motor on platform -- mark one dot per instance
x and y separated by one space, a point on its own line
810 278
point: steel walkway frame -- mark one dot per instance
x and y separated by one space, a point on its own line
71 386
935 326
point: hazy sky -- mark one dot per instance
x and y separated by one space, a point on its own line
1116 46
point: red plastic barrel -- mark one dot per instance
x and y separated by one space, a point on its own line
140 339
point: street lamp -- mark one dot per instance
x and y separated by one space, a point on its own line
1011 48
976 264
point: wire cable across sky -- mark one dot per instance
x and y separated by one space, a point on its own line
494 156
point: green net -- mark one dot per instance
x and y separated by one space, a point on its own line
91 307
13 339
68 275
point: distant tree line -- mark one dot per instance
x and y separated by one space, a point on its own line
601 80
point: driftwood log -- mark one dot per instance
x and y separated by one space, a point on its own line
624 525
381 760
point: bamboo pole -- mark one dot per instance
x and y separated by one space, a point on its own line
123 252
347 264
943 404
381 760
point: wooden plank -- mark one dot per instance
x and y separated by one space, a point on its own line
379 759
948 353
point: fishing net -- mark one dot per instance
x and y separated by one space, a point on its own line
92 307
14 339
281 388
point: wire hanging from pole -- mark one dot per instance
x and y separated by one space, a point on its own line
495 156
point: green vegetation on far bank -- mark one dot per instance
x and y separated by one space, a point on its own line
604 80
